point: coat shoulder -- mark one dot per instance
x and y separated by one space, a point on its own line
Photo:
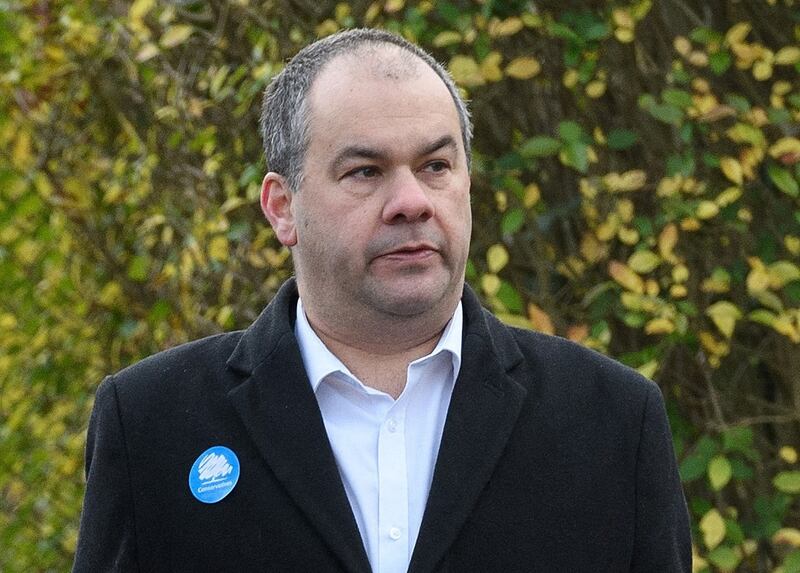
178 369
565 366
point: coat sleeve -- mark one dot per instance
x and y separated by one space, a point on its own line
107 538
663 541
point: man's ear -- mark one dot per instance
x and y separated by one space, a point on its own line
276 203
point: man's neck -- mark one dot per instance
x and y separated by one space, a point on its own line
379 366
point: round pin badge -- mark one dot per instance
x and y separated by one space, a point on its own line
214 474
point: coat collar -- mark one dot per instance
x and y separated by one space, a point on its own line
280 411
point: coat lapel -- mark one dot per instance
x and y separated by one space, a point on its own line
483 409
280 411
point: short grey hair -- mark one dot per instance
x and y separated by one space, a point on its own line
285 113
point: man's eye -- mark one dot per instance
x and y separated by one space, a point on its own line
367 172
436 166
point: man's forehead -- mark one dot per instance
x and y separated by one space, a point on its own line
374 61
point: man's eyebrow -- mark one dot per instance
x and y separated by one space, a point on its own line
441 143
355 152
364 152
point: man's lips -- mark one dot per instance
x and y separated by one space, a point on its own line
409 252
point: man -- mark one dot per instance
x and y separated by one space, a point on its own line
375 417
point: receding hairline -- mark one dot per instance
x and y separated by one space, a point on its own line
378 59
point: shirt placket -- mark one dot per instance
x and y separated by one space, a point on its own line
393 492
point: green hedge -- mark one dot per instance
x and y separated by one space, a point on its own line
635 188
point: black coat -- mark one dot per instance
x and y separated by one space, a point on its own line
554 458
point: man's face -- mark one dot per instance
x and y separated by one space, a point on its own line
382 218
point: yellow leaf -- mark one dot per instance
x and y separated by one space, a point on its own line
659 326
523 68
540 319
728 196
22 154
680 273
787 536
629 181
531 196
628 235
788 454
785 146
8 321
496 257
678 291
782 272
792 244
595 89
682 45
667 240
644 261
784 325
446 38
490 284
698 563
706 210
578 332
570 78
648 369
713 527
465 71
626 277
218 248
111 294
732 169
507 27
176 35
788 56
393 6
624 35
490 67
140 8
625 210
762 70
698 58
737 33
724 315
758 277
148 51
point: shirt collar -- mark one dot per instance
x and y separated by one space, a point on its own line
320 362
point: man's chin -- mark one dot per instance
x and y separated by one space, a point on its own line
409 299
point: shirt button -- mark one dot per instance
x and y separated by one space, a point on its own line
391 425
395 533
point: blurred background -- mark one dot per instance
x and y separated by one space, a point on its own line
636 188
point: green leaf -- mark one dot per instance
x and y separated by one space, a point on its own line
738 439
620 139
678 98
576 155
540 146
510 298
692 468
719 472
787 482
667 113
570 131
792 562
783 180
725 558
512 221
137 269
719 62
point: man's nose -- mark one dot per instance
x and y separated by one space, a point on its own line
408 200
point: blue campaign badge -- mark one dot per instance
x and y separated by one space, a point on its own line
214 474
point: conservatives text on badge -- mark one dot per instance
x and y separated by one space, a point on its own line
214 474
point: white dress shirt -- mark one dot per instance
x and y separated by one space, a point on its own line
386 449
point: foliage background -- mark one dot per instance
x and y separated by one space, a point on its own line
635 189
